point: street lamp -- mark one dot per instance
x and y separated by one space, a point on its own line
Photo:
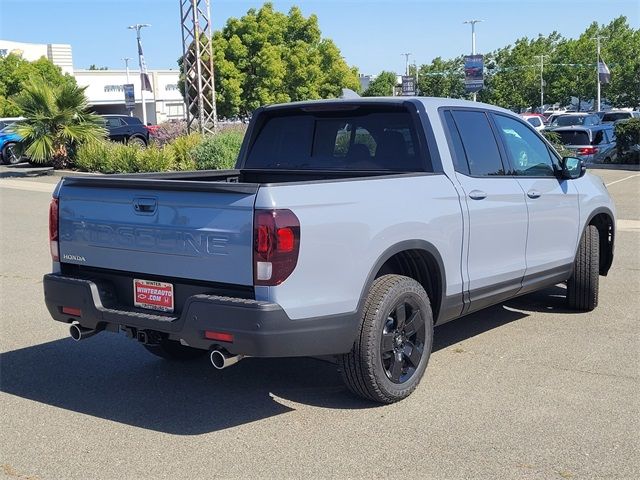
126 69
542 82
137 27
473 41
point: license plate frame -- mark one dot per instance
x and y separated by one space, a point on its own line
152 295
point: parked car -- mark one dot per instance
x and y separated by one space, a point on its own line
571 119
125 129
10 150
535 120
593 145
349 228
613 116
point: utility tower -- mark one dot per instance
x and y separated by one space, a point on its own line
197 66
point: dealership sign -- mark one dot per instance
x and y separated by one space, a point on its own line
129 96
408 85
473 73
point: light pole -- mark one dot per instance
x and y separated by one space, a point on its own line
542 82
126 69
598 38
473 43
406 62
137 27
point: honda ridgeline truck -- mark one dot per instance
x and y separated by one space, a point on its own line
349 228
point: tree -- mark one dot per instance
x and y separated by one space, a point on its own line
57 120
382 85
441 78
15 72
271 57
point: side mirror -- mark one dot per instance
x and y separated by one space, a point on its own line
573 167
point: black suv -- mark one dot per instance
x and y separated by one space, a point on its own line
126 129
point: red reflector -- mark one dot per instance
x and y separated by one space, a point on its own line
76 312
286 240
222 337
262 243
53 230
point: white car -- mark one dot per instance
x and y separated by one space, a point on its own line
536 121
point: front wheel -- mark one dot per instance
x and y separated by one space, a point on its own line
172 350
582 287
394 341
11 154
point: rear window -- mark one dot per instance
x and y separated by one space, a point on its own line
361 139
568 120
614 117
574 137
534 121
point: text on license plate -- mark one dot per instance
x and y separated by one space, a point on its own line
153 295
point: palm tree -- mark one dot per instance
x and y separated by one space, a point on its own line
57 120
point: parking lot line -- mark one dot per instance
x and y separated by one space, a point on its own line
623 179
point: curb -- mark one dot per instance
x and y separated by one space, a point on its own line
25 172
613 166
71 173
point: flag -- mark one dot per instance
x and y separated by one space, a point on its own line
604 75
144 74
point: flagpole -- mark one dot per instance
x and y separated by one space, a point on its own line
598 73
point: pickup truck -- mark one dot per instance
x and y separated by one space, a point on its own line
349 228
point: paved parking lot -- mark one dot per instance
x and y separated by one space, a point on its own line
523 390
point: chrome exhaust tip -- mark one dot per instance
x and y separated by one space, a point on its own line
221 359
78 332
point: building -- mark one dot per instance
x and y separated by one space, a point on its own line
58 54
105 89
105 92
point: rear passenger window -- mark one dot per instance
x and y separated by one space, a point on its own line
458 156
479 143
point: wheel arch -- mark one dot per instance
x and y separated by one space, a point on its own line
417 259
603 219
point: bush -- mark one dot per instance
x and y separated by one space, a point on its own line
219 151
169 131
122 158
91 157
628 140
182 147
156 159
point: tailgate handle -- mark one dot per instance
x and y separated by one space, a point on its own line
145 205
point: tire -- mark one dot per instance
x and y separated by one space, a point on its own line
172 350
582 287
137 141
11 154
389 356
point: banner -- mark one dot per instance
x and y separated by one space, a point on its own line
129 95
604 75
144 74
473 73
408 86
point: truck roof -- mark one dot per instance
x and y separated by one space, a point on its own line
428 102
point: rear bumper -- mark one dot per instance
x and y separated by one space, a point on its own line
260 329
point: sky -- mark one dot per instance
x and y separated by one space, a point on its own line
371 34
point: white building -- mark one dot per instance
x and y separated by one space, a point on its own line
105 92
105 89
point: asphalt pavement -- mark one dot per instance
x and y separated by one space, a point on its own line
522 390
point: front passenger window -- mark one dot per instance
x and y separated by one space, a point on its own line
529 154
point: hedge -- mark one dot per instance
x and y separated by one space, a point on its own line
628 140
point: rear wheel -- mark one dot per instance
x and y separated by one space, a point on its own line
172 350
394 342
137 141
582 287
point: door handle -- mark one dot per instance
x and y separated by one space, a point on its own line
533 194
145 205
477 195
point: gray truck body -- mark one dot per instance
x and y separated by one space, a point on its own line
471 240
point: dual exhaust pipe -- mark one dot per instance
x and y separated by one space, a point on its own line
220 359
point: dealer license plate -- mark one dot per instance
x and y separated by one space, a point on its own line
153 295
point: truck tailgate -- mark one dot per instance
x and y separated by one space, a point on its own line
185 233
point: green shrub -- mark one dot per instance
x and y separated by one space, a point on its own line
182 147
156 159
627 140
219 151
122 158
92 156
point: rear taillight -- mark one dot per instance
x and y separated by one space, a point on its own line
276 243
53 230
587 151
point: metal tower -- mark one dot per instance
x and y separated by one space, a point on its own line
197 65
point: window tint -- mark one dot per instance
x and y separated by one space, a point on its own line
573 137
529 154
365 140
599 138
459 157
535 121
113 122
615 116
479 143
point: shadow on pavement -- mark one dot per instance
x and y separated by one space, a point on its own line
110 377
